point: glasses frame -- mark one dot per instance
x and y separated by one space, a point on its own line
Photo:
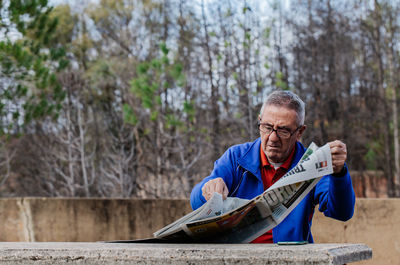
276 130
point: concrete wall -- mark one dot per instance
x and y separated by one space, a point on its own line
375 223
79 220
36 219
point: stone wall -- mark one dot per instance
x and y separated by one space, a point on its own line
374 223
80 220
44 219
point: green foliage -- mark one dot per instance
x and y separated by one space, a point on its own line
173 121
279 82
228 13
238 115
267 33
65 24
154 115
155 77
29 64
371 157
164 49
189 109
129 115
245 9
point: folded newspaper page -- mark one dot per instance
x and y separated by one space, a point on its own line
236 220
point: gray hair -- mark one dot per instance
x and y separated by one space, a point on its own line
287 99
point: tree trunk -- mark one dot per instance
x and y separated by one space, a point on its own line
393 92
214 91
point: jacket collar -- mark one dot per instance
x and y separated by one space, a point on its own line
298 153
251 161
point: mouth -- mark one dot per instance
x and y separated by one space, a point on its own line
273 146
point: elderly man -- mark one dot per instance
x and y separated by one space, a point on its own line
248 169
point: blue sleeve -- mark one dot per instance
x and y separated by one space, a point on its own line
224 168
335 196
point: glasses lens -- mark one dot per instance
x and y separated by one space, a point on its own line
283 133
265 128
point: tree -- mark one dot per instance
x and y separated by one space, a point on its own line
381 36
154 81
136 119
29 63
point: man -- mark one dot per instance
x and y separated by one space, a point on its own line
248 169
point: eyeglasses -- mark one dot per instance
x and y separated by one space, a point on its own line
282 133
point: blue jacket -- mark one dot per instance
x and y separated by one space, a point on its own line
240 166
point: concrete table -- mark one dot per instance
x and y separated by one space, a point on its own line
133 253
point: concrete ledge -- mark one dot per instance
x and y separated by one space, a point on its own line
130 253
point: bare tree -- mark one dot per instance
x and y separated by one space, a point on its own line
7 154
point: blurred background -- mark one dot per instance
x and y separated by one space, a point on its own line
137 99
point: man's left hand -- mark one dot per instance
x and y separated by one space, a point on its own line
339 155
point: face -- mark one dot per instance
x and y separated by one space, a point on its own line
275 148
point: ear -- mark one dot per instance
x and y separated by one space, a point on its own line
301 131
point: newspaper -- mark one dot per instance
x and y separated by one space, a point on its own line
236 220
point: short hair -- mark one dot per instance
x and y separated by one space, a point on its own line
287 99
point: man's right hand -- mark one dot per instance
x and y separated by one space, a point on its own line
215 185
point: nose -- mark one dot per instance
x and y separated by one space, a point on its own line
273 136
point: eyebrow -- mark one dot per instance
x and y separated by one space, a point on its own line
279 127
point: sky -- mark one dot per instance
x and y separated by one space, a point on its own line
262 3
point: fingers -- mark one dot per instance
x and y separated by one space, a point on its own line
215 185
339 155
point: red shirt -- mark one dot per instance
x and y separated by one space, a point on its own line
269 176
